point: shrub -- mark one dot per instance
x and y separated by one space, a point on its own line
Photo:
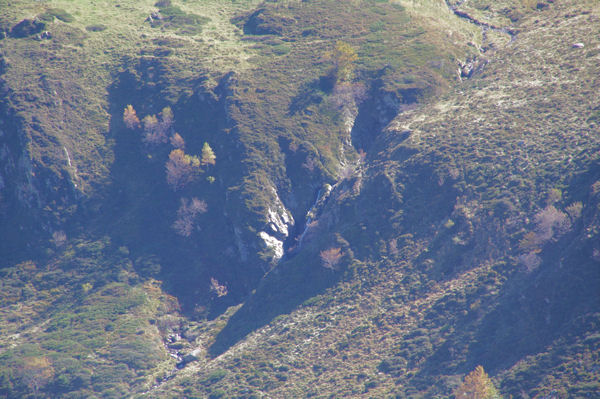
554 196
551 222
57 13
214 377
330 258
217 288
574 210
477 385
95 28
343 57
60 14
36 372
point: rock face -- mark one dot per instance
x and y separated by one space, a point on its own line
277 229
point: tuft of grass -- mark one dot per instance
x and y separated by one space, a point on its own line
58 13
174 18
95 28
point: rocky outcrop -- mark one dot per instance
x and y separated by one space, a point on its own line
27 27
277 229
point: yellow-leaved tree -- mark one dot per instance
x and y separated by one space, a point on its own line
477 385
343 57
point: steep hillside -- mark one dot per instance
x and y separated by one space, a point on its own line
469 236
299 199
260 84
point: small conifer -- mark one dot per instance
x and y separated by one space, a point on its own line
208 156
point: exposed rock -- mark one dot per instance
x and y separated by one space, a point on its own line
278 226
155 16
27 27
272 243
27 194
190 357
470 66
466 69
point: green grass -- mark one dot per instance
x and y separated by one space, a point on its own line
103 332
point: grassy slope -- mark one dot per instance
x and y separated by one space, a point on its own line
454 294
89 314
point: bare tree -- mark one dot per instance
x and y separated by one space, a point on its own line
551 222
186 215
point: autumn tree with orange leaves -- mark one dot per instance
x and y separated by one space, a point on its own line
330 258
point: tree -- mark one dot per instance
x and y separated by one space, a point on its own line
151 131
186 215
343 57
181 168
530 242
477 385
157 131
331 257
130 118
177 141
166 118
208 156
